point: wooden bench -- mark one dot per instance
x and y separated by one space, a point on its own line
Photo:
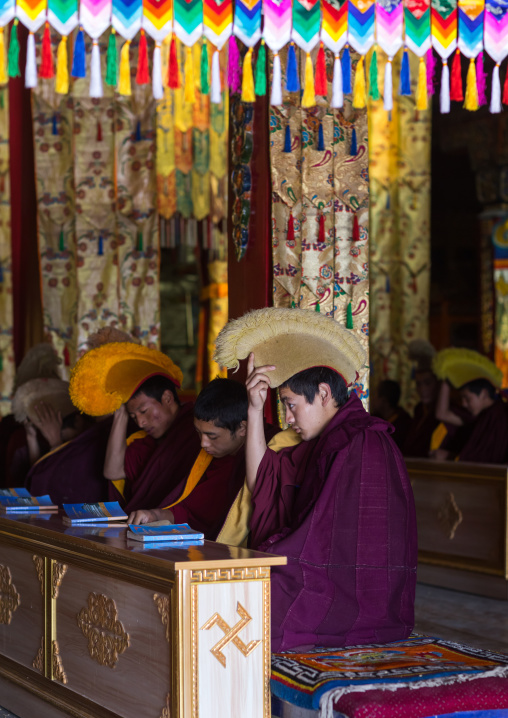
461 510
95 626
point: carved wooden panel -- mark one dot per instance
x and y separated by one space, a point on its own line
112 643
20 637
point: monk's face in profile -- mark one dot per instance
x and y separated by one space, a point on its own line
426 386
308 420
475 403
218 441
154 417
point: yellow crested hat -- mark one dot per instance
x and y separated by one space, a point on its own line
292 340
460 366
106 377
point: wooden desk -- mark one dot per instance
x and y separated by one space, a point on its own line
461 510
94 626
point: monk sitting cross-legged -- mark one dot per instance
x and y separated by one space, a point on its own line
203 501
339 505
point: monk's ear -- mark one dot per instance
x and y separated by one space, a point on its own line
325 394
167 398
242 429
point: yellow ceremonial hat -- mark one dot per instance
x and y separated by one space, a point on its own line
460 366
106 377
292 340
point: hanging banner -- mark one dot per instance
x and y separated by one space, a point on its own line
471 14
247 25
63 15
157 18
417 19
306 24
334 24
188 18
7 11
361 24
127 16
389 26
218 21
496 30
32 13
277 27
95 17
444 27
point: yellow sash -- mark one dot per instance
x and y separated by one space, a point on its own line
200 466
137 435
50 453
438 436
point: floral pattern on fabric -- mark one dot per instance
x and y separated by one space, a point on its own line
7 365
321 267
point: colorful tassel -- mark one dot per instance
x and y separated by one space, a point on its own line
481 81
4 77
292 78
13 54
142 77
140 241
321 139
190 85
100 247
1 363
471 98
96 89
234 60
421 90
309 93
505 89
248 94
353 150
138 136
47 70
349 316
124 81
287 139
495 97
321 230
290 237
337 92
31 63
66 356
321 84
317 307
157 87
276 94
216 89
260 83
387 284
173 71
456 91
359 96
111 61
431 72
346 71
62 68
205 83
373 78
54 129
61 241
356 229
405 76
1 274
78 60
99 132
388 86
444 95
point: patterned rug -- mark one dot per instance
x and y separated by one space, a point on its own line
419 677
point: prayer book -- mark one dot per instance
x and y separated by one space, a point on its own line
168 533
26 504
158 545
15 492
100 513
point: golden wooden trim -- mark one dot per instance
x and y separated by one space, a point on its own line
231 634
449 515
166 711
9 597
216 575
267 650
163 606
38 661
99 623
58 670
195 664
39 567
59 571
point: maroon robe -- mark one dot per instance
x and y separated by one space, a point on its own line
340 507
420 431
401 421
485 439
74 473
154 467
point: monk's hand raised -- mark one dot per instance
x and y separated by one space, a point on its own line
257 383
49 423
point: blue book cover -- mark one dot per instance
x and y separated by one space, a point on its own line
15 492
104 512
23 504
176 532
165 545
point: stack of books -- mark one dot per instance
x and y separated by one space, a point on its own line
26 504
103 513
168 536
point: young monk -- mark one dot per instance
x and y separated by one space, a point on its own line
203 501
385 404
339 505
138 383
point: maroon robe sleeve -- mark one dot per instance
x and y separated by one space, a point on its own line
488 440
137 455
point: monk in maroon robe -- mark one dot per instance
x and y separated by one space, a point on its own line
220 419
340 507
424 422
73 473
161 458
385 405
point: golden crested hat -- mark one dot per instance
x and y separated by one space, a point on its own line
106 377
460 366
292 340
54 392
